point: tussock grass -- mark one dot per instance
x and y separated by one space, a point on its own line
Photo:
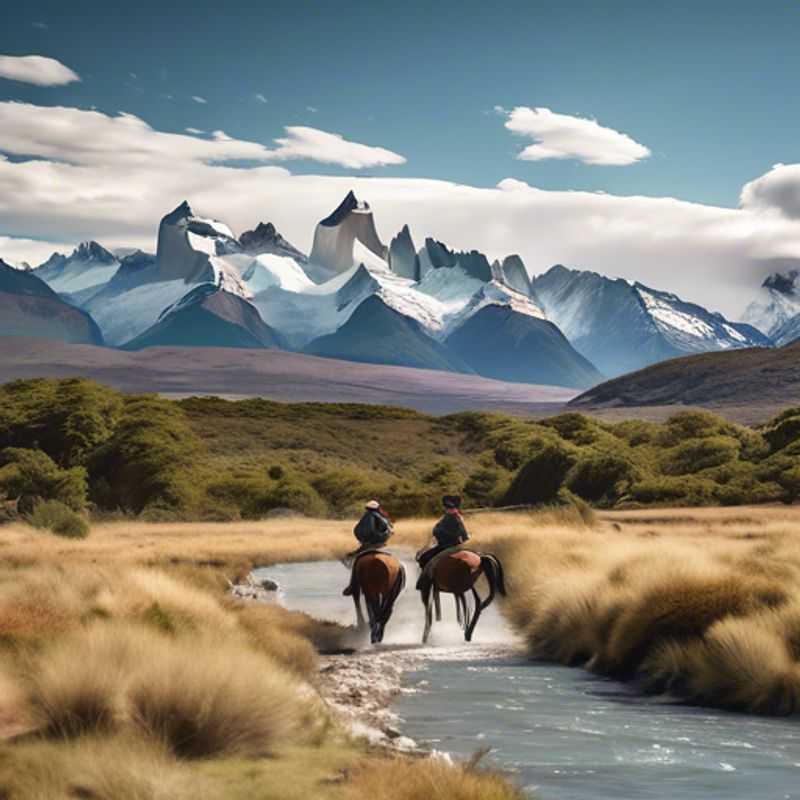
191 695
428 780
702 603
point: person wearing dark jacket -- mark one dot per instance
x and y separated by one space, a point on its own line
449 531
372 531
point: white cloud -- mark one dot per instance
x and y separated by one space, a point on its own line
42 26
38 70
260 97
564 136
331 148
113 178
777 191
195 131
199 99
312 109
16 251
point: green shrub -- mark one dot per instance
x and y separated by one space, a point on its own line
541 478
59 519
67 419
148 460
343 489
694 455
31 475
485 486
784 431
665 489
601 476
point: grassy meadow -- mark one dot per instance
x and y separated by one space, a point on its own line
128 671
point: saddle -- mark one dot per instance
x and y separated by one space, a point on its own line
351 559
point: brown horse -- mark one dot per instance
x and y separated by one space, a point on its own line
380 577
457 573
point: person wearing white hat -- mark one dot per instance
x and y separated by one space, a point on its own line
372 531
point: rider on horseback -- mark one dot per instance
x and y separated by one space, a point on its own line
372 531
448 532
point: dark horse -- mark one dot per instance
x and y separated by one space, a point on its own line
457 573
380 577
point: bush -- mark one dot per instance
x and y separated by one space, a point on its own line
541 478
343 489
670 490
31 475
784 431
59 519
601 476
148 460
67 419
485 485
694 455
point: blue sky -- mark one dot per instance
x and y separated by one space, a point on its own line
708 87
655 142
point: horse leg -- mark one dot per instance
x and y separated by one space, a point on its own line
426 600
437 603
481 605
389 599
459 599
360 621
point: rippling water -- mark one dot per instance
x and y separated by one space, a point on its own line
563 731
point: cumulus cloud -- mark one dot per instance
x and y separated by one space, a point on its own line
331 148
38 70
199 99
563 136
112 178
260 98
777 191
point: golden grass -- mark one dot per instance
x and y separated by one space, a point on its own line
428 780
704 603
122 656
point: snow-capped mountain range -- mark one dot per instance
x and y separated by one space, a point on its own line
776 309
621 326
356 298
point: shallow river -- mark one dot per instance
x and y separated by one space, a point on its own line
562 731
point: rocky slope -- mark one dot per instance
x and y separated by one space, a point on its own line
759 376
531 350
29 307
208 316
622 326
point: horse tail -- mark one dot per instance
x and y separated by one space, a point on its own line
493 569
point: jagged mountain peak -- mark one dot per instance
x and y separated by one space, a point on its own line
783 283
350 203
264 238
183 211
92 251
622 325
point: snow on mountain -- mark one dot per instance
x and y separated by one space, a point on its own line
125 314
777 302
788 332
621 326
208 316
268 269
334 237
89 265
194 249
